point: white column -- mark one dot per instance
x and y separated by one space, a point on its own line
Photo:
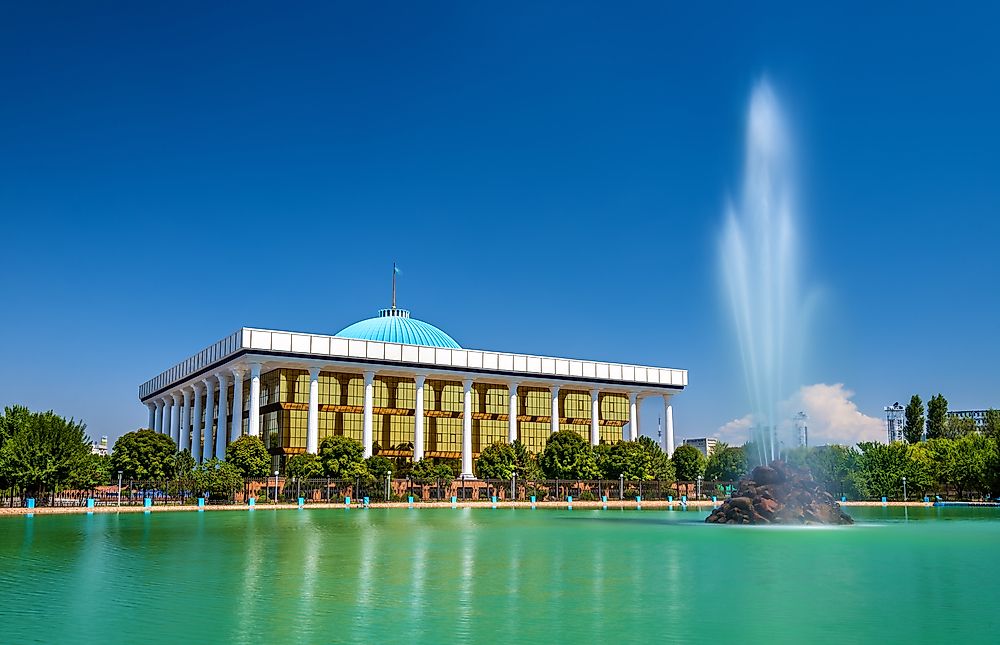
253 425
467 429
418 419
237 428
512 413
668 414
595 417
185 432
555 409
167 405
312 422
633 416
220 431
158 419
152 415
366 427
175 420
196 425
209 450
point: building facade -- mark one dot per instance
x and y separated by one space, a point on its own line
706 445
400 386
895 420
802 428
977 416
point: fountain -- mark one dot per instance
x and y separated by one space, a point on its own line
758 264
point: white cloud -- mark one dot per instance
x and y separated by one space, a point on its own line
833 418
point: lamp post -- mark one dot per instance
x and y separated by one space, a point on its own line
119 488
621 486
699 487
275 487
388 476
904 488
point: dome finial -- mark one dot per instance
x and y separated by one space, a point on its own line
395 270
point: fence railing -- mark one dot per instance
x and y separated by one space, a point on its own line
285 490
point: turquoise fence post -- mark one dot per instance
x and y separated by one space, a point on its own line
347 502
843 498
715 500
367 501
454 499
409 500
638 499
252 503
532 501
147 502
883 499
201 503
684 499
90 502
494 498
31 502
604 499
302 502
926 499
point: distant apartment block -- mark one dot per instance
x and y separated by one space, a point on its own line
705 444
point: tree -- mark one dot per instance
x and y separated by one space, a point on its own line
426 471
633 460
144 454
567 455
913 428
937 417
220 479
183 464
881 468
727 463
376 467
689 463
304 466
249 456
43 450
342 457
956 427
526 463
992 424
497 461
661 467
92 471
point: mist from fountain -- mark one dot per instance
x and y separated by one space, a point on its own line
758 258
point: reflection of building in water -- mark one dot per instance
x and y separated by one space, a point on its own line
705 444
401 387
802 428
895 419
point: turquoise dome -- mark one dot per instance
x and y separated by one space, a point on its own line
396 326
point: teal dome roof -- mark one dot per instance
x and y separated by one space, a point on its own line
396 326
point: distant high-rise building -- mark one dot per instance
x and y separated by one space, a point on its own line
977 416
895 419
100 448
704 444
802 428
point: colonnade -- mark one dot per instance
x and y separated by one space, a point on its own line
172 414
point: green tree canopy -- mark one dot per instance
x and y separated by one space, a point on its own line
992 424
304 466
689 463
342 457
42 450
913 428
144 454
426 471
727 463
220 479
91 471
183 464
831 466
249 456
956 427
567 455
881 468
376 467
633 460
497 461
526 463
937 417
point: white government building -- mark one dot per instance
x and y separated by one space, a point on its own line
401 387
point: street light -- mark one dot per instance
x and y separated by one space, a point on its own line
388 475
621 486
699 487
119 488
904 489
275 487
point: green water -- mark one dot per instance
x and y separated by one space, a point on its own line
497 576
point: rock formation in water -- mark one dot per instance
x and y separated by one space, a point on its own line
779 494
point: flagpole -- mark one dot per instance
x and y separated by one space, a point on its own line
393 285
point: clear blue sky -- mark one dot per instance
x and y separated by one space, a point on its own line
550 177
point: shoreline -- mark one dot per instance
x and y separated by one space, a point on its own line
611 505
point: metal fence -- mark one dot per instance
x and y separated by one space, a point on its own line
288 490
